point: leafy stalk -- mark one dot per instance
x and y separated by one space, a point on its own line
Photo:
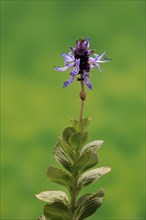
78 159
72 152
74 195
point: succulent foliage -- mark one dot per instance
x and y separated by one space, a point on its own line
77 159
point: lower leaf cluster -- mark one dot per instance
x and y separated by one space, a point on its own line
77 158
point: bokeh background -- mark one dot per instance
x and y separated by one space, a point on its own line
35 107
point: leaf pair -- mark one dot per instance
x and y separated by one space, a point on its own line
80 126
61 177
71 142
71 152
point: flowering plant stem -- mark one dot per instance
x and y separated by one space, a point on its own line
82 97
73 196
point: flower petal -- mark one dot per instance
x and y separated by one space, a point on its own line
71 54
103 61
89 52
101 56
61 69
92 59
86 80
91 66
98 66
94 62
76 69
96 56
87 40
67 57
66 83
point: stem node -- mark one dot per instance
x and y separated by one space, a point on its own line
82 95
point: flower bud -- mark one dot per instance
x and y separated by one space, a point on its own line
82 95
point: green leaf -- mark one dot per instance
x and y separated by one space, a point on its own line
56 211
94 145
92 176
78 139
62 156
59 176
67 133
87 160
88 156
75 124
88 204
68 152
83 198
53 196
85 123
57 207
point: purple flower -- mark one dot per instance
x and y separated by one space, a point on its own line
79 58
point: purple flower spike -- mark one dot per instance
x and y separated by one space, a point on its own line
79 58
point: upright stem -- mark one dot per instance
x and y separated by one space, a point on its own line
74 196
82 97
82 110
75 174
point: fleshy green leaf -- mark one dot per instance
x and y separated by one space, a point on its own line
94 145
57 205
75 124
53 196
88 204
70 155
59 176
92 176
56 211
67 133
85 197
78 139
85 123
88 156
87 160
64 154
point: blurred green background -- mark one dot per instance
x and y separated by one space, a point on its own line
35 107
